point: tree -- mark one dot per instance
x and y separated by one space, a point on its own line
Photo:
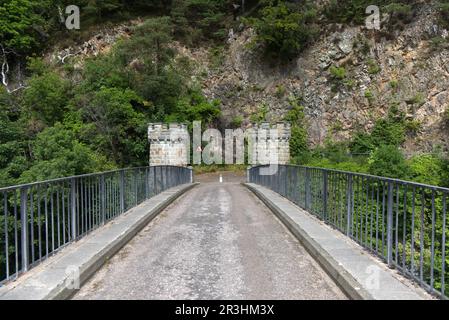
298 141
47 97
284 29
58 153
388 161
119 130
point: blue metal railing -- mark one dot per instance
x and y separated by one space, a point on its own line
404 223
38 219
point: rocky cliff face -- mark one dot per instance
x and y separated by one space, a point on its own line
408 67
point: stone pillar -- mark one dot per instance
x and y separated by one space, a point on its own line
169 144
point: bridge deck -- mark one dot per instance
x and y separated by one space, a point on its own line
216 242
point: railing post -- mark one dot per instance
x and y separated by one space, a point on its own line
122 191
103 200
325 187
248 179
147 184
24 224
390 225
191 174
307 185
73 207
349 206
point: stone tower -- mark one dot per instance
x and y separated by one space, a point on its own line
263 146
169 144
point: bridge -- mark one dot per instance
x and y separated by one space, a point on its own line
160 233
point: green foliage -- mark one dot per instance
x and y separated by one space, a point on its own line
237 122
388 131
118 127
353 11
298 141
57 153
280 91
443 8
369 95
260 115
284 29
337 73
195 107
199 20
46 97
22 23
417 99
428 169
388 161
373 67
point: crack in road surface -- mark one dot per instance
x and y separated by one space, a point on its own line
218 241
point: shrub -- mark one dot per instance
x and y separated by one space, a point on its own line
337 73
237 122
388 161
373 67
369 95
284 30
427 168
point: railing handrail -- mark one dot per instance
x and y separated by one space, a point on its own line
366 175
404 223
94 174
38 219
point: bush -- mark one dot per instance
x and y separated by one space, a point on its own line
388 161
58 153
284 30
337 73
428 169
373 67
298 140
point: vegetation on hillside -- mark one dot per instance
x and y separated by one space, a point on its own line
70 121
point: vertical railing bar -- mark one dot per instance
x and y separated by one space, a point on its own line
16 236
58 218
349 206
32 225
421 245
24 229
396 239
443 249
83 207
390 225
52 220
377 216
432 255
412 245
47 245
73 208
63 214
404 229
5 209
39 222
103 199
122 192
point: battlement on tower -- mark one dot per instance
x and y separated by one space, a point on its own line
269 143
169 144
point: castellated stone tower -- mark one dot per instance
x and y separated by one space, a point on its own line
264 148
169 145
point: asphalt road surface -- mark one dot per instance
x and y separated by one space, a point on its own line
218 241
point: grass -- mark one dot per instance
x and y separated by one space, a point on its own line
201 169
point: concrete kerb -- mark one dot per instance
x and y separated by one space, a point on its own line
59 289
350 286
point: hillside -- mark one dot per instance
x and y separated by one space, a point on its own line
364 100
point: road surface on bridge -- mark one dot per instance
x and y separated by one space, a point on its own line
218 241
